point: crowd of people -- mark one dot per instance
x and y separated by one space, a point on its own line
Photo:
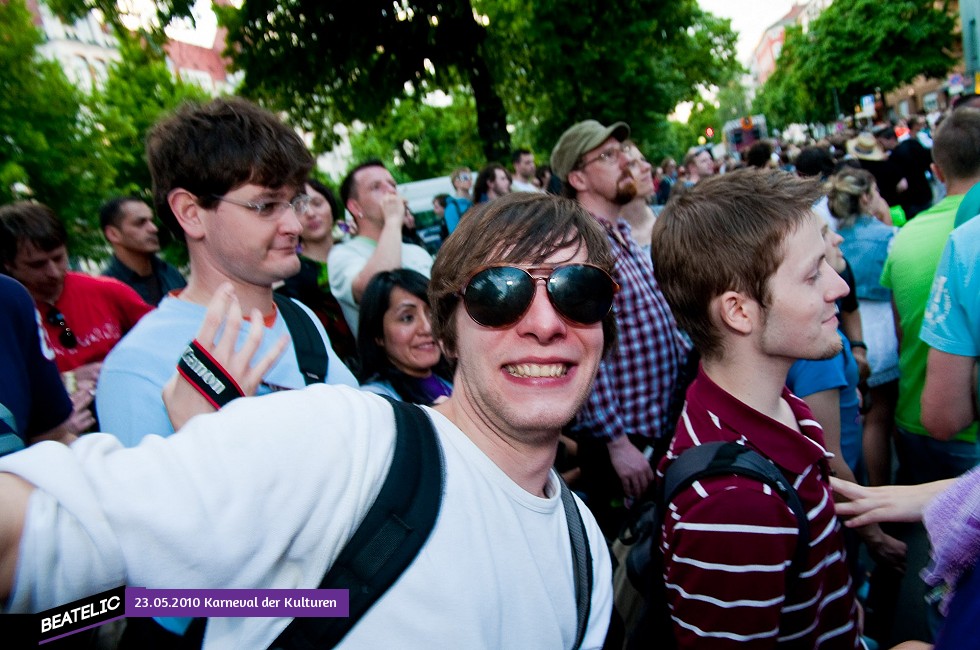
595 316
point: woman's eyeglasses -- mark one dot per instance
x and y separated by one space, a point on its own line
66 337
499 296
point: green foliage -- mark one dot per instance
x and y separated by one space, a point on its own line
530 68
855 48
788 96
417 140
138 91
861 45
562 61
48 142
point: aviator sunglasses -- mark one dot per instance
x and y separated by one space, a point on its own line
66 337
498 296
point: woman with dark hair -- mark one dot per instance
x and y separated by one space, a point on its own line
399 356
311 286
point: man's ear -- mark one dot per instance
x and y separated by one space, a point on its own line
938 173
578 180
736 311
187 211
355 208
111 234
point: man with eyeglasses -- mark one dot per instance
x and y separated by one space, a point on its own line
83 316
521 298
227 180
629 407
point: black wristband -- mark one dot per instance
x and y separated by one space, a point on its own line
859 344
205 374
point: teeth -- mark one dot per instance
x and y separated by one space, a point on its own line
538 370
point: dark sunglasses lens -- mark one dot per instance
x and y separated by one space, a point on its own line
67 338
498 296
583 294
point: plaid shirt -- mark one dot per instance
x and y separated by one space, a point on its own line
632 389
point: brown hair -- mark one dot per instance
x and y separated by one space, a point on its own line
29 221
725 233
520 228
210 149
956 144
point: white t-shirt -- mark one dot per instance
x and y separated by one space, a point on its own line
265 493
348 259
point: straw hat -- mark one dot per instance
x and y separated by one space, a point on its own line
865 147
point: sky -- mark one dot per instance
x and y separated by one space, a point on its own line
750 18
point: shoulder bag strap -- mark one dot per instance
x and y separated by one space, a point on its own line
311 351
388 539
581 562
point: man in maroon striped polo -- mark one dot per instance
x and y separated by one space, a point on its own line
740 259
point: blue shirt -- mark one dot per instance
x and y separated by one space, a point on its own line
809 376
32 398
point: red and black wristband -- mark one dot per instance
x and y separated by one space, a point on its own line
208 376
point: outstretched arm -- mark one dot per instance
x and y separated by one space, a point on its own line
868 505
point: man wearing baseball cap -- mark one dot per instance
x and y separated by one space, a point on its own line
629 407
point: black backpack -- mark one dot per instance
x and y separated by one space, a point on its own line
640 591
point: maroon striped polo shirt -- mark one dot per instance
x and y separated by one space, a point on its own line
728 541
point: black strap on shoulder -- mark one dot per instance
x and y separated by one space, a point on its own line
720 458
390 536
311 351
581 563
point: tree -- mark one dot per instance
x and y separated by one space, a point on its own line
862 45
566 60
49 146
530 67
788 97
357 58
139 89
856 47
419 140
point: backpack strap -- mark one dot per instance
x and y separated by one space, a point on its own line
720 458
581 563
311 351
389 538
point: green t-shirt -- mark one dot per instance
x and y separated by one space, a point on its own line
908 272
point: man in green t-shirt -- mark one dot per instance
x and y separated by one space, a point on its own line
908 272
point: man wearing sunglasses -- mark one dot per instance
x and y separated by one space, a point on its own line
742 262
628 408
521 300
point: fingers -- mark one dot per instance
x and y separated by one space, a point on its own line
215 314
847 489
262 366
